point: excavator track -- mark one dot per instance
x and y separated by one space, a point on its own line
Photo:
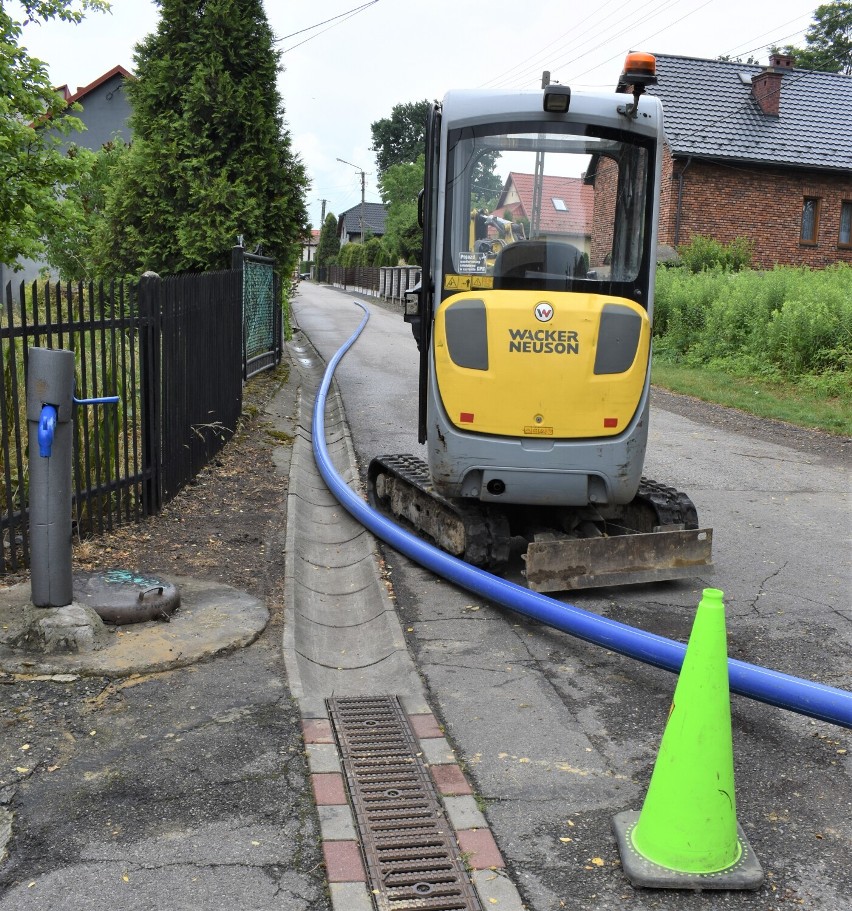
671 507
655 538
400 486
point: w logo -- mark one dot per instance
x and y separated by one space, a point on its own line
543 312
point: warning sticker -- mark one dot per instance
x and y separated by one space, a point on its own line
472 263
482 281
457 282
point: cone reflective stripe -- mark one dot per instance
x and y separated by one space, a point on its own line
689 819
686 835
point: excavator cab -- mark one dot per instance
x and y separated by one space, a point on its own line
535 307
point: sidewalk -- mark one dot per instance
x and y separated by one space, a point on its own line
185 788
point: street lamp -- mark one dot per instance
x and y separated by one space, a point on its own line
361 170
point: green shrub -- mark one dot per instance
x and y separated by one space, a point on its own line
704 253
790 322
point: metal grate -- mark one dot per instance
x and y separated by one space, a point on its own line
412 858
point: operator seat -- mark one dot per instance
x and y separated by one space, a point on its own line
549 260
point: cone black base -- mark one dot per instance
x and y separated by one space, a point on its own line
746 873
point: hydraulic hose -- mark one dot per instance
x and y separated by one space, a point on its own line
806 697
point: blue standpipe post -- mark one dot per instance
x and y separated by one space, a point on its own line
50 402
50 407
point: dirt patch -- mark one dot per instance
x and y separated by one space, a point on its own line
219 526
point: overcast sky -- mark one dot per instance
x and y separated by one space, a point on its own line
343 75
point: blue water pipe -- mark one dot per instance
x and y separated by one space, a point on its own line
99 400
816 700
47 421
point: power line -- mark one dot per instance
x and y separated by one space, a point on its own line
644 40
775 41
342 16
536 59
644 15
651 14
736 50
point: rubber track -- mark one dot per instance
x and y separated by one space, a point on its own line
486 530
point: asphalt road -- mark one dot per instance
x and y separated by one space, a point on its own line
559 735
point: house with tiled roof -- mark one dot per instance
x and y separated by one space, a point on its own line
349 223
566 206
763 152
104 110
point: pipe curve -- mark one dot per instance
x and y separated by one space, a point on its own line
795 694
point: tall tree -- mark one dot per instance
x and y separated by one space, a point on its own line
328 245
399 186
33 119
829 40
400 138
211 157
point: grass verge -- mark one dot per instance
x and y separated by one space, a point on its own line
781 401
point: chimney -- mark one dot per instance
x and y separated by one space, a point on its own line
782 61
766 85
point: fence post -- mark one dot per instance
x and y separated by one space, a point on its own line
238 259
150 311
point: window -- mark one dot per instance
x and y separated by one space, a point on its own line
559 204
845 237
810 220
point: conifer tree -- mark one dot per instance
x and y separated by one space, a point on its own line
329 243
211 157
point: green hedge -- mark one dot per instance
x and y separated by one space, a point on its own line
789 322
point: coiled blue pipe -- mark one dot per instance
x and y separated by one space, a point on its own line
782 690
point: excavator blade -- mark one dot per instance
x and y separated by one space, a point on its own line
620 559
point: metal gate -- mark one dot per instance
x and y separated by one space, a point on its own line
262 322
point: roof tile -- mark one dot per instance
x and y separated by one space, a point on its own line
710 112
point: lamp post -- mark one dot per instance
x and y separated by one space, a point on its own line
361 171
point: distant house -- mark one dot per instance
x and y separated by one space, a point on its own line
309 247
759 152
565 212
105 112
349 223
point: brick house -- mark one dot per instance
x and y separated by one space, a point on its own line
759 152
566 206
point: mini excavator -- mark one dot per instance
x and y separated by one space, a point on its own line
533 322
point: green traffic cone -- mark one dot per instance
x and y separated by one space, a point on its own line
687 835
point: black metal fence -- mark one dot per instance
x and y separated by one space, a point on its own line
110 472
174 353
196 356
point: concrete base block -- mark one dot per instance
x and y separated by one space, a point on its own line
69 630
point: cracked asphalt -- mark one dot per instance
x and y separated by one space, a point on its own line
185 789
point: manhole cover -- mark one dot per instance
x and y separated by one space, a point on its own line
412 858
120 596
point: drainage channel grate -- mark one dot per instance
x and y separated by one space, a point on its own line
412 858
